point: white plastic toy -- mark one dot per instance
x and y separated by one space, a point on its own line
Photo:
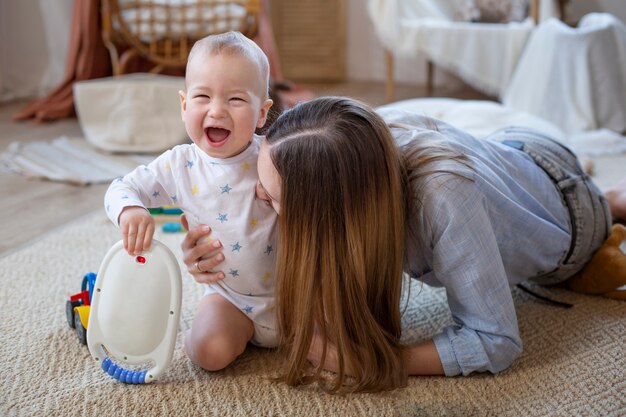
135 310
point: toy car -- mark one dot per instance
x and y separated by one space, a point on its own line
78 306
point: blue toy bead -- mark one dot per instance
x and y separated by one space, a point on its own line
129 377
105 364
126 376
112 369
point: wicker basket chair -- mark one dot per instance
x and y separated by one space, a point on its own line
162 32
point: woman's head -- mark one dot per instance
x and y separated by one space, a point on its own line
338 181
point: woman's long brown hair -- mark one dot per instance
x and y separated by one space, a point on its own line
341 243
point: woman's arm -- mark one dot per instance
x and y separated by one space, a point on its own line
423 359
420 359
466 260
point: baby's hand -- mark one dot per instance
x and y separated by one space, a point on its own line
137 226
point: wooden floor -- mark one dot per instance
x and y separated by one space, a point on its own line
30 207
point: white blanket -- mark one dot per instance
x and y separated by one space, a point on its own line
477 117
484 55
481 118
574 77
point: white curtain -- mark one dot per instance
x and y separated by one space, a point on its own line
34 36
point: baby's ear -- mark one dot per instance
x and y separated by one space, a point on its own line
183 104
265 108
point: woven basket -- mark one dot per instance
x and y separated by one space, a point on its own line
311 38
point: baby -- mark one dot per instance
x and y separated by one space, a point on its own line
213 181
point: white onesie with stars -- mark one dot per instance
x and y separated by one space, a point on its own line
221 194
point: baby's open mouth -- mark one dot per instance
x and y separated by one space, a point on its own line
216 135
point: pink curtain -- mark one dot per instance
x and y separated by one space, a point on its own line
87 58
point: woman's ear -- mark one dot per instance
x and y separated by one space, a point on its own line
183 104
265 108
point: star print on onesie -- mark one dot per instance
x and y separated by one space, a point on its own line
221 194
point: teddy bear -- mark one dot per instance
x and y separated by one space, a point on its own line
605 273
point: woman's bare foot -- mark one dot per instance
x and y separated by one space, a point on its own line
616 196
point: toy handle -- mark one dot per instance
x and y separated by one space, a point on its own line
127 376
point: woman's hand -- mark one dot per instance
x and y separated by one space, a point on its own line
331 362
201 255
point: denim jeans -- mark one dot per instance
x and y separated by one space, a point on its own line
590 217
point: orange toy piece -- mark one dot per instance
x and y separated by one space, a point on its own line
606 271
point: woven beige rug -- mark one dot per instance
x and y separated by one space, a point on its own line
574 361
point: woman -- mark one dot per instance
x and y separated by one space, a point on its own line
362 198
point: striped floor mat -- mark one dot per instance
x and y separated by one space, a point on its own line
69 160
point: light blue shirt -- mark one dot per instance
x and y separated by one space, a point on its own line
476 230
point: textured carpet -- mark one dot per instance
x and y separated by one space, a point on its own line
573 363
